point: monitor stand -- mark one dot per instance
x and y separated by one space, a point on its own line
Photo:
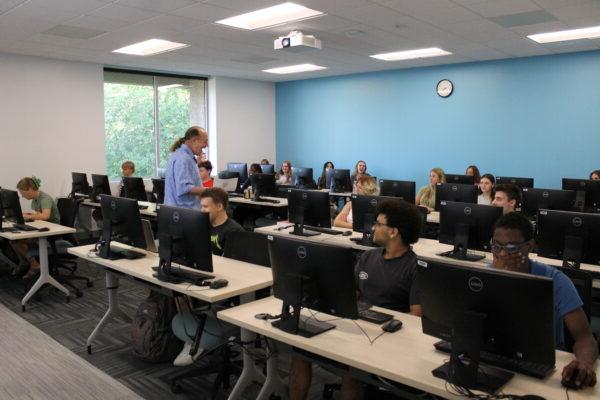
461 244
580 200
299 225
367 237
464 369
572 252
291 321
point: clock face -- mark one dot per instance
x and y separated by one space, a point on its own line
444 88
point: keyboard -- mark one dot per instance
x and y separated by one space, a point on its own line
535 370
263 200
23 227
117 253
323 230
375 317
195 277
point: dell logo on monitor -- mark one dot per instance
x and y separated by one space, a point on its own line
475 284
301 252
113 205
467 210
577 222
374 202
545 194
175 217
454 188
304 196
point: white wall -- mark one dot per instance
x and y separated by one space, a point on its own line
241 121
51 121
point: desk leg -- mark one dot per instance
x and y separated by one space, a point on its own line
44 274
112 284
273 383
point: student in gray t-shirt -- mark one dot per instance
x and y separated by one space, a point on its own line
386 277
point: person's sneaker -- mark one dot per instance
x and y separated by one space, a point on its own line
184 358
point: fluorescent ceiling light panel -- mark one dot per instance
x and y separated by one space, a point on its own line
150 47
592 32
292 69
271 16
411 54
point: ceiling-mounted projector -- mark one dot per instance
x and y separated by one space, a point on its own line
296 41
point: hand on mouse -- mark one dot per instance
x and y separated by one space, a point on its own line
586 376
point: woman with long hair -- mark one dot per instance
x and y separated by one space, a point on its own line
426 195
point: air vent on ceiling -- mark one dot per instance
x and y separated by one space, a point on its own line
73 32
523 19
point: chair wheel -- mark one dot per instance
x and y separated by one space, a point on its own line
176 388
89 284
68 299
89 349
23 308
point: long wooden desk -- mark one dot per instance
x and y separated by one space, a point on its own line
42 238
148 212
282 202
244 279
406 356
35 366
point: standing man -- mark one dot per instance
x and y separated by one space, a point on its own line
182 180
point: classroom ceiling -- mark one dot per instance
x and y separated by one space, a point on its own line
473 30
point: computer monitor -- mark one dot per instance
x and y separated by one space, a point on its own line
546 199
263 185
459 178
340 181
240 168
328 178
184 239
10 207
308 207
100 185
121 223
158 190
134 188
302 178
507 314
587 193
229 175
573 237
404 190
79 185
364 215
521 182
315 276
267 169
455 192
467 226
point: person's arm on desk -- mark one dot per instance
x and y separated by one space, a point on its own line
38 216
341 220
585 349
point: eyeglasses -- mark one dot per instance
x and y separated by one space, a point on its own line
510 248
377 223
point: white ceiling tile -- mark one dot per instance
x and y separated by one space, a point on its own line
409 6
123 13
331 6
204 12
243 6
376 15
540 28
174 22
590 10
158 5
7 5
558 3
503 7
484 54
42 13
95 22
472 27
75 6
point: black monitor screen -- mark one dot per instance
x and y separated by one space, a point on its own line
364 211
340 181
455 192
158 189
404 190
134 188
546 199
463 179
267 169
309 207
587 192
521 182
100 185
80 184
121 223
302 177
569 236
240 168
11 206
263 185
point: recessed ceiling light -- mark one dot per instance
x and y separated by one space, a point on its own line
150 47
592 32
271 16
292 69
411 54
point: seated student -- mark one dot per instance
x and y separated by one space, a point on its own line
385 277
507 196
486 189
595 175
284 176
426 195
127 170
365 185
44 209
264 161
511 244
322 182
473 171
214 201
360 169
205 168
254 169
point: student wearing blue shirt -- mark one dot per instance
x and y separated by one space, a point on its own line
182 179
511 244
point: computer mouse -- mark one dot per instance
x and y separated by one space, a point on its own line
44 229
392 325
570 383
347 233
531 397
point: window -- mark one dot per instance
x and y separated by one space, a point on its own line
144 114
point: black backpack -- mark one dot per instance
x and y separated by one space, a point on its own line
151 334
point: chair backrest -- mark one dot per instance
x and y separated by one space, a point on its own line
249 247
67 207
583 283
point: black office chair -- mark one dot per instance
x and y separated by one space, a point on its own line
250 247
61 260
583 283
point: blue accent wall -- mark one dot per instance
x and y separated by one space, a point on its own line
535 117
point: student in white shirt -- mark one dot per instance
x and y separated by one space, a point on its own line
486 189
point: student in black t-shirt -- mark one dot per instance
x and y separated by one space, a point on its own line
386 277
214 202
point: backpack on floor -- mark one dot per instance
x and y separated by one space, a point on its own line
151 335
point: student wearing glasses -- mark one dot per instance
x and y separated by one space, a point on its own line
511 244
